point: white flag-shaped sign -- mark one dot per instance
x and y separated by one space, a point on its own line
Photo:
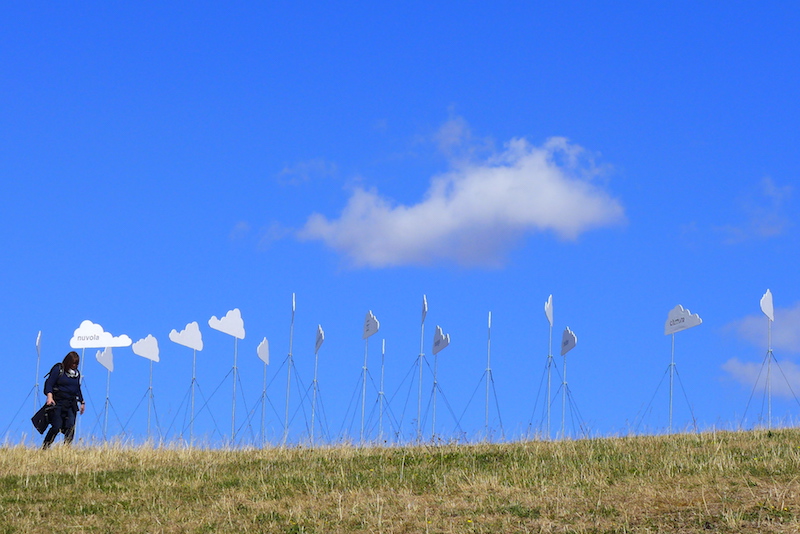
440 340
39 343
548 309
371 325
679 319
568 341
263 351
320 338
766 305
424 308
106 358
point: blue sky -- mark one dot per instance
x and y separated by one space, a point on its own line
163 164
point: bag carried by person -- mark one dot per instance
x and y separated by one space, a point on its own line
41 419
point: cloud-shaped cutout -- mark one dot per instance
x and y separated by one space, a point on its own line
147 348
92 336
106 358
785 331
568 341
371 325
766 305
263 351
188 337
320 338
476 213
679 319
232 324
784 384
548 309
440 340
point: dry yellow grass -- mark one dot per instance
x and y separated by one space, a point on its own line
710 482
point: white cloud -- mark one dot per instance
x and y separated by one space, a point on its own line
476 212
785 329
679 318
147 348
188 337
371 325
106 358
440 340
232 324
305 171
263 351
785 380
92 336
764 214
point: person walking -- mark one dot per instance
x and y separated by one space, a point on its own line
63 390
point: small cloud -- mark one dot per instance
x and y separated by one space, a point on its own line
371 325
475 213
240 231
263 351
679 319
232 324
785 329
306 171
440 340
147 348
783 383
106 358
764 213
188 337
272 233
92 336
568 341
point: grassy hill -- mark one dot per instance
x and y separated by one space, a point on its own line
710 482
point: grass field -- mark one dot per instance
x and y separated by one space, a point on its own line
709 482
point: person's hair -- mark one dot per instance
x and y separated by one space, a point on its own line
71 358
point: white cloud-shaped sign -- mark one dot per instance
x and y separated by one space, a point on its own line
548 309
188 337
232 324
766 305
371 325
679 319
568 341
424 308
320 338
92 336
440 340
147 348
263 351
106 358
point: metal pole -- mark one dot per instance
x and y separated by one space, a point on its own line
380 395
671 380
289 375
488 372
233 402
435 386
150 401
564 402
419 399
108 392
263 407
194 381
364 388
314 400
769 378
549 373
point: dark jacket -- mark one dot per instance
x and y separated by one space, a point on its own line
62 386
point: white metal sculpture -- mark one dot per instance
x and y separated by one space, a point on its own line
192 338
420 364
92 336
768 310
678 319
548 312
106 358
440 342
148 348
233 325
568 342
263 354
317 345
371 327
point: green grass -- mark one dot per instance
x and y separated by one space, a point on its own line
710 482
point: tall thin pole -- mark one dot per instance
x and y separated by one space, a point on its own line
364 388
671 381
289 375
233 403
150 401
435 387
421 361
549 373
564 401
314 399
769 378
108 392
380 395
264 407
488 372
194 381
38 361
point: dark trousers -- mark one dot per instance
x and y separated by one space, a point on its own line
62 419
